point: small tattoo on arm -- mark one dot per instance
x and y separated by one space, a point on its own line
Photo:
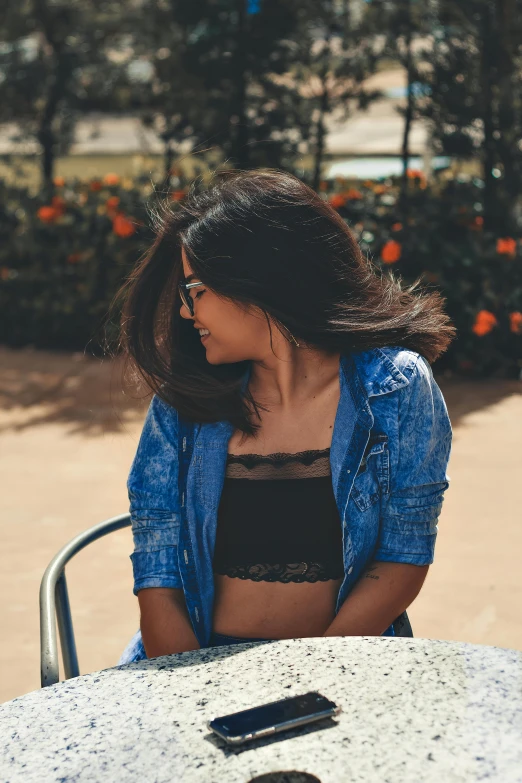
368 573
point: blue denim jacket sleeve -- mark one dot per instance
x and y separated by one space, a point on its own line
408 525
152 487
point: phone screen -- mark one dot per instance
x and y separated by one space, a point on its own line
277 712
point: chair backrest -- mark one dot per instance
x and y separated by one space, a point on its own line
54 604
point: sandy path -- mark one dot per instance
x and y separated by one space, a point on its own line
68 437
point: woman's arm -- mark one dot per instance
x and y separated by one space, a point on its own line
165 624
408 524
155 515
382 593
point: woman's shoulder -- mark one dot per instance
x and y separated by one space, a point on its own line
409 362
409 374
163 412
388 368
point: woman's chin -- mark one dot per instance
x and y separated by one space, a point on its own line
215 356
208 355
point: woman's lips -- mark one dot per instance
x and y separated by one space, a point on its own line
204 337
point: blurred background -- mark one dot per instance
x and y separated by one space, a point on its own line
406 116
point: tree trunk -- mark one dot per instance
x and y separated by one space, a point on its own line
408 117
347 21
240 151
168 157
488 149
324 107
58 79
320 136
47 142
509 119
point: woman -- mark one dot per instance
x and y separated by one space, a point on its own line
292 464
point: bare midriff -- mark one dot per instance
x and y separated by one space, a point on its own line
278 610
273 610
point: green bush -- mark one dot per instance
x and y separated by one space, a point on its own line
438 235
62 262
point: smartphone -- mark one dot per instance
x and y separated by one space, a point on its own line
271 718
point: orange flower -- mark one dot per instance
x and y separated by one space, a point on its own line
477 223
73 258
111 179
415 174
178 195
59 182
4 272
380 189
397 227
353 194
95 185
59 204
112 204
506 246
391 251
48 214
515 322
484 323
122 226
337 200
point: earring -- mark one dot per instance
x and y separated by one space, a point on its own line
292 338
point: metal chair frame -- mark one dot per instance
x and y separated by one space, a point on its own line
54 604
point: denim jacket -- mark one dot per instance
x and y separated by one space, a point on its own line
390 448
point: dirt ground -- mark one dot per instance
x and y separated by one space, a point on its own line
68 436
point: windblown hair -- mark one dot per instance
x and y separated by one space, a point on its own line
263 238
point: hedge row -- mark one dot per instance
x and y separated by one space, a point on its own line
62 261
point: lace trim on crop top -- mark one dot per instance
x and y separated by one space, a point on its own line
302 464
287 572
264 518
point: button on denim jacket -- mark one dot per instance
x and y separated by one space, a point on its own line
390 448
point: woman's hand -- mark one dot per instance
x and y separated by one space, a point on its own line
382 593
165 623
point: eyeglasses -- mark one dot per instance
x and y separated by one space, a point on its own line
185 297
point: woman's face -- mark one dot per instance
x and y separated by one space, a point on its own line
234 335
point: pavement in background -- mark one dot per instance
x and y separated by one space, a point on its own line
68 437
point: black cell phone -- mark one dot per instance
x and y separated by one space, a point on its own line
270 718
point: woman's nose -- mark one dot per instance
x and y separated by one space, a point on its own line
184 313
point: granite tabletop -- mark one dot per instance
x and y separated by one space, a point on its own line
412 710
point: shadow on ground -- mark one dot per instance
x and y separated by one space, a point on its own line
464 396
87 393
46 387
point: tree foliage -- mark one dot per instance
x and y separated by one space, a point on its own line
471 69
59 60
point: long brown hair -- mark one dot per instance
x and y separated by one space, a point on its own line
263 238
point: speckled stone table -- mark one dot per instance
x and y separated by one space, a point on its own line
413 710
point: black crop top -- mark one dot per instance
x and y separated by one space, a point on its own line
278 519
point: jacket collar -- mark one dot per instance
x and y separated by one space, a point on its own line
377 371
361 375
